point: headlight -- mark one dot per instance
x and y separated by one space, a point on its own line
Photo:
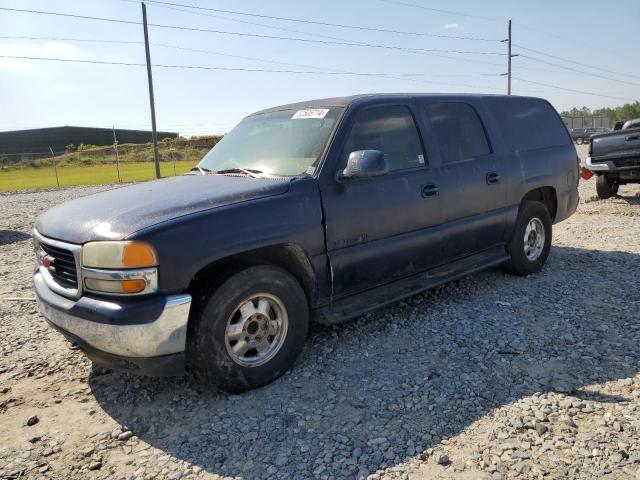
121 268
128 254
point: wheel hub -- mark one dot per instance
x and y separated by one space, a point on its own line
534 239
256 330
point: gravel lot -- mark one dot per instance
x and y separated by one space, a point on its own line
492 376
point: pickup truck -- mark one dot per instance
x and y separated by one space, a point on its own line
582 135
615 159
316 211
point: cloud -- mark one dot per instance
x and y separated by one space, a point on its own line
452 25
45 50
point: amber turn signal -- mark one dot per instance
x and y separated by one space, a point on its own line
138 254
132 286
115 286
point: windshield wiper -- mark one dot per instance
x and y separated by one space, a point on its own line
202 170
247 171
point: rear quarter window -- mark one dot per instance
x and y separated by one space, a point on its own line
459 131
528 123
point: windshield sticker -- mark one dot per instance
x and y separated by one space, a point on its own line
311 113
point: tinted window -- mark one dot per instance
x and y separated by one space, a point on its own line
458 129
528 123
390 129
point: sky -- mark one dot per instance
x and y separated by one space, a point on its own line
36 93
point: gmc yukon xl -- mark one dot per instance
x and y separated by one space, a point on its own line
320 210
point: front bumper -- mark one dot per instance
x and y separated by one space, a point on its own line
146 335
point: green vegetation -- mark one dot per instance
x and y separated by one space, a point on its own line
88 165
33 178
618 114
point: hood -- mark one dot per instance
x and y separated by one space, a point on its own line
116 214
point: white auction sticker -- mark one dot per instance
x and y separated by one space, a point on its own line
311 113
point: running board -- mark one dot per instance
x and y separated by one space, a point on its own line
361 303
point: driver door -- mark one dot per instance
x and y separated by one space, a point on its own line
383 228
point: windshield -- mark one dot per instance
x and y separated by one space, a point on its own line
283 143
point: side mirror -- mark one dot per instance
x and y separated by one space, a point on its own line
364 164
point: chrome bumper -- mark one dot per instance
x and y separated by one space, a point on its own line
598 166
164 335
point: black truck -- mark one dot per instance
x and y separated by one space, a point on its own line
316 211
615 159
582 135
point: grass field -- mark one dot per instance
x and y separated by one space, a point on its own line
70 175
96 165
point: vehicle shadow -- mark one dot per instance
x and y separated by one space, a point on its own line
12 236
380 390
630 199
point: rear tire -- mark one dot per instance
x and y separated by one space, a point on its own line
531 241
606 187
250 330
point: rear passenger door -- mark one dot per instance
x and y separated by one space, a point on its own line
472 179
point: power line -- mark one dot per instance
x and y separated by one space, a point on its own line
195 50
236 69
312 34
340 42
246 22
577 70
386 75
573 40
272 37
400 76
67 39
573 61
439 10
572 90
328 72
325 24
519 24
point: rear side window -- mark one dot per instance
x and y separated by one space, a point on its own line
390 129
528 123
459 131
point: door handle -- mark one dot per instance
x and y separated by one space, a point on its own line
493 178
629 138
430 191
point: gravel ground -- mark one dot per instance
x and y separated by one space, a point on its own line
491 376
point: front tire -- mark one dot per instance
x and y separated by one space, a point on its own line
250 330
606 187
531 241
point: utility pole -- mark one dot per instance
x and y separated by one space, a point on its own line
154 134
509 57
509 61
115 146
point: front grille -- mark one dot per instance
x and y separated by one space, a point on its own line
63 267
627 162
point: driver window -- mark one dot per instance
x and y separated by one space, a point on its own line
390 129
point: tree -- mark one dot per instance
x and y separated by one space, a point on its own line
617 114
